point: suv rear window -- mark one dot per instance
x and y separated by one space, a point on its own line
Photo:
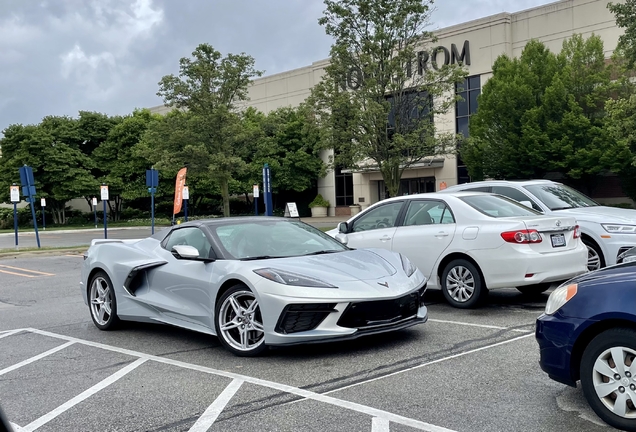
497 206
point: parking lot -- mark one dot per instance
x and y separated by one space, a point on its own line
473 370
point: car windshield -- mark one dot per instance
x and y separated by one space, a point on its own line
498 206
560 197
273 239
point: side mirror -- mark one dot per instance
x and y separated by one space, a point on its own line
343 227
185 252
342 238
526 203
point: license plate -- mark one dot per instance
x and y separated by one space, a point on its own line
558 240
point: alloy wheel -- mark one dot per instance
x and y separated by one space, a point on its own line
101 301
593 259
240 321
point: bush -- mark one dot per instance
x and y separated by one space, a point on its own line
319 201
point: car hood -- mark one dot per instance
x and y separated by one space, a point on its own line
612 274
602 214
338 267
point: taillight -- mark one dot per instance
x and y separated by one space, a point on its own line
577 231
522 236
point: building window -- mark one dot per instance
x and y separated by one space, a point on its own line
344 188
408 187
469 90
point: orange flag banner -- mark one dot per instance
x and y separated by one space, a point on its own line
178 190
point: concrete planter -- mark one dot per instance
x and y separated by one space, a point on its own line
355 209
319 212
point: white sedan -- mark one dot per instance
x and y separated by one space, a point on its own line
469 242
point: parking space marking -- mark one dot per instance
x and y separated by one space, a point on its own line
83 396
210 415
35 358
432 362
37 273
15 427
479 325
379 425
17 274
10 333
305 394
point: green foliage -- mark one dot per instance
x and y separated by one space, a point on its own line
209 88
621 125
375 50
544 112
319 201
625 13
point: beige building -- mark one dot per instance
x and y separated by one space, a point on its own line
477 43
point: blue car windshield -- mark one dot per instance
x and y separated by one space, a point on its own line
274 239
560 197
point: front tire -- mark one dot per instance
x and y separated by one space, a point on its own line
462 284
102 302
239 322
608 377
595 260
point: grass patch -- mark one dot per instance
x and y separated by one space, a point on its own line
46 249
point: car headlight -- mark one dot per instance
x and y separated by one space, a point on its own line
619 228
408 266
289 278
560 297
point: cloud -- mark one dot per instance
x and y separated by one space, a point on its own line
58 57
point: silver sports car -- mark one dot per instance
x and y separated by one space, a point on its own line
252 282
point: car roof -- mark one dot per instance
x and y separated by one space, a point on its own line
501 182
433 195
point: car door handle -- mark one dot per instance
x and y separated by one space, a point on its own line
441 234
385 238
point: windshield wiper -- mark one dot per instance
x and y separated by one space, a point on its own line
321 252
260 257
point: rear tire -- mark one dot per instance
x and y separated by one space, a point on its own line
462 284
534 289
611 399
102 303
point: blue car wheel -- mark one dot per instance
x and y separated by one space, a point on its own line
608 377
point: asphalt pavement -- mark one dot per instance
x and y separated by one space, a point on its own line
462 371
83 237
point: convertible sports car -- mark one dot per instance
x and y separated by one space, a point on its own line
253 282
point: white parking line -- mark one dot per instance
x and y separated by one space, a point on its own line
479 325
10 333
379 425
82 396
212 413
15 427
431 362
306 394
35 358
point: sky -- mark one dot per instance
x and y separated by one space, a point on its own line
59 57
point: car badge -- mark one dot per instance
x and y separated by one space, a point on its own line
385 284
558 223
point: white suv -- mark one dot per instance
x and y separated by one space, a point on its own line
606 231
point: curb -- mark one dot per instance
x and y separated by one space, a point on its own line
79 230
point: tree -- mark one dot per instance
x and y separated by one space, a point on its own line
118 165
543 113
621 125
210 88
377 101
61 172
626 18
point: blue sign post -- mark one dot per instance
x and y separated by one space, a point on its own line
267 191
152 182
28 190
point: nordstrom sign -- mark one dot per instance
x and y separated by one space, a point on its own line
435 58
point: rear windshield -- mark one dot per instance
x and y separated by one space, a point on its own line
498 206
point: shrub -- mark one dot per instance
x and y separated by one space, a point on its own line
319 201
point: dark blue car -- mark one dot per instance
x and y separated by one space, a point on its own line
588 333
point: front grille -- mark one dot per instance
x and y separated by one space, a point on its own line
303 317
381 312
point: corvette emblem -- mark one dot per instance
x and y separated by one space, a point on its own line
558 223
385 284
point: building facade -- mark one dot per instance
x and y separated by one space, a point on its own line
477 44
